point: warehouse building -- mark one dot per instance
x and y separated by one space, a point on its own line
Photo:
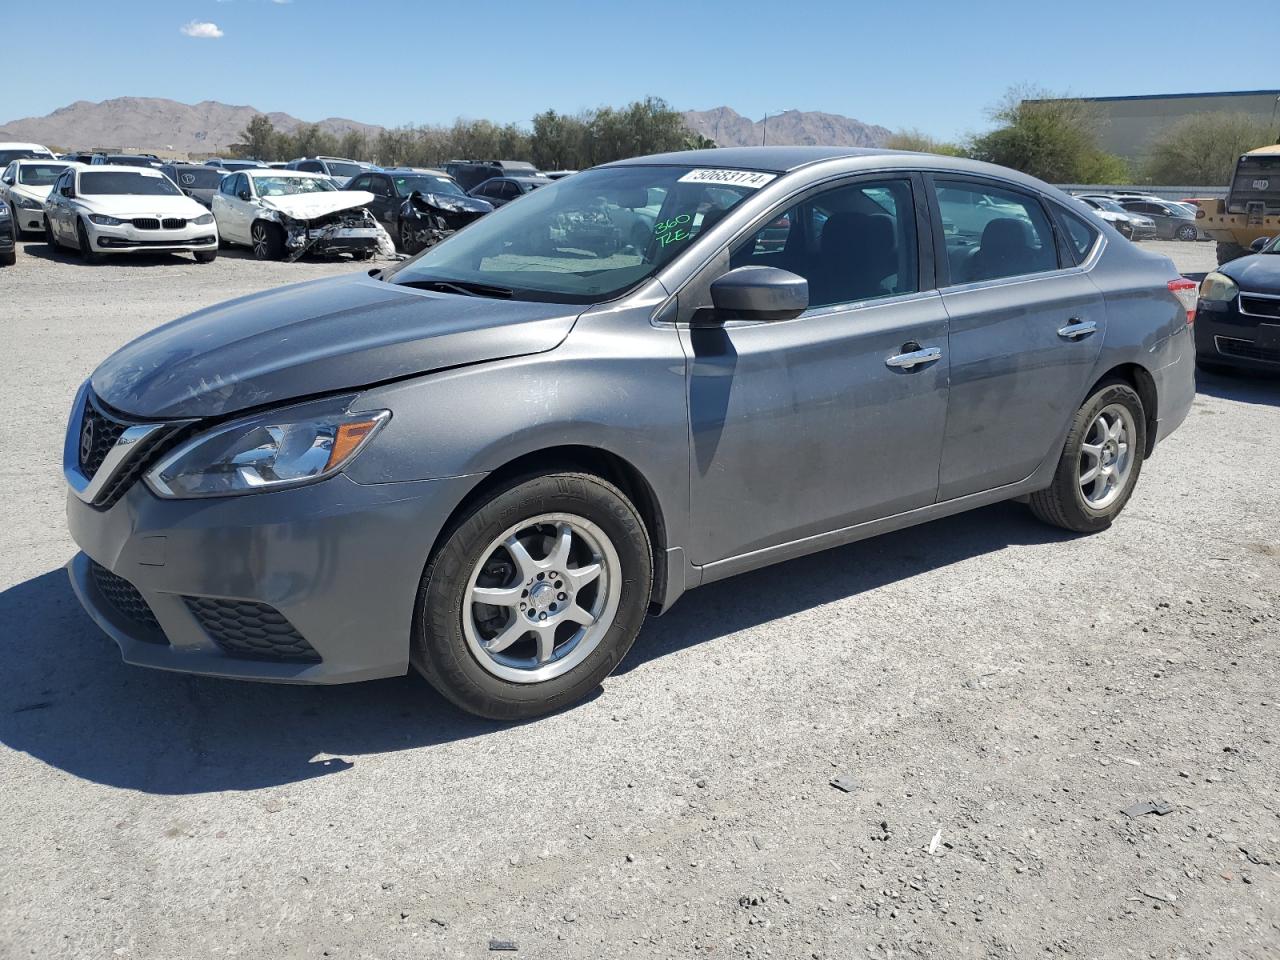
1130 124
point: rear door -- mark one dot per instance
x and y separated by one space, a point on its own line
1025 329
836 417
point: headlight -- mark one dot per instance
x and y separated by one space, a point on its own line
1218 288
203 220
26 203
283 448
102 220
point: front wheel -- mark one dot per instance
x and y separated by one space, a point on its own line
205 256
534 597
87 253
1187 232
1100 462
267 240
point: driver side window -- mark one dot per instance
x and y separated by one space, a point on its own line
852 243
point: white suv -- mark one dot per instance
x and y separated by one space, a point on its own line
110 209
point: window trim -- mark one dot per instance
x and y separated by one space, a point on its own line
933 179
716 261
1060 211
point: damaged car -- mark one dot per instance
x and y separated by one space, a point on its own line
286 214
419 207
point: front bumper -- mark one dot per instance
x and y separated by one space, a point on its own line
338 560
1226 335
128 238
1142 231
28 220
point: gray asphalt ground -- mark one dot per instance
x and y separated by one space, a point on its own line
994 692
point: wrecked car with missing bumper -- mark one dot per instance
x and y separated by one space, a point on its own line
428 218
286 214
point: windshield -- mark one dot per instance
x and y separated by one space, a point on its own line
427 184
40 174
288 186
196 178
1272 247
344 169
118 183
8 156
1105 204
587 238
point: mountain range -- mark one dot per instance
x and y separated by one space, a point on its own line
209 127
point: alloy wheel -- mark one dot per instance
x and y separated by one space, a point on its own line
260 241
1106 456
541 598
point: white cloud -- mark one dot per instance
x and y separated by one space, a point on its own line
202 29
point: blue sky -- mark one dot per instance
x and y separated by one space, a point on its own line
936 65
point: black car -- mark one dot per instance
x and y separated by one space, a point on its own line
8 237
197 180
1238 319
419 208
471 173
502 190
127 159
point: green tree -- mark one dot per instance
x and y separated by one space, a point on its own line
258 139
1202 149
696 141
921 142
1055 139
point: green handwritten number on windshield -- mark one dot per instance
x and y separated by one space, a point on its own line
670 231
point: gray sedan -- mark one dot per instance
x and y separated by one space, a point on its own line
491 461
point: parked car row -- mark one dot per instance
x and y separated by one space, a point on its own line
1150 217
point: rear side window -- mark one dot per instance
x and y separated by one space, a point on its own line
1081 236
993 233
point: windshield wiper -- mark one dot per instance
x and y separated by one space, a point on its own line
463 287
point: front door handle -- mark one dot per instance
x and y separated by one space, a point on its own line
1076 329
914 357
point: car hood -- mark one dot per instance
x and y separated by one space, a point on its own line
450 201
137 205
316 337
32 192
1258 272
308 206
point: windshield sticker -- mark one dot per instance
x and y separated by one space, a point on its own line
673 230
729 178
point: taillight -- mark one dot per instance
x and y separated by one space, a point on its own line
1186 292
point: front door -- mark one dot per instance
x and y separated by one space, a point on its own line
1025 333
809 425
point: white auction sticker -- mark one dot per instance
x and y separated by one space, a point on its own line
729 178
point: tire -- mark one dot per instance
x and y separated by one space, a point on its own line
49 237
1228 251
449 636
87 253
363 255
8 258
267 240
205 256
1064 502
1187 232
404 239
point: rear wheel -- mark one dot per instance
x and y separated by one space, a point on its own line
534 596
1100 462
267 240
1227 251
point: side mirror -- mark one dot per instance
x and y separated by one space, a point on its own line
759 293
1258 244
244 195
67 191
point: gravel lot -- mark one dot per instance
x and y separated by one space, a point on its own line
995 691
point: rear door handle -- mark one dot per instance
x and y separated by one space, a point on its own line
914 358
1075 329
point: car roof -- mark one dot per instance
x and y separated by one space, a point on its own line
277 172
780 159
18 145
45 161
117 168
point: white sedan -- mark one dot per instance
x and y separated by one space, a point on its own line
283 214
110 209
26 185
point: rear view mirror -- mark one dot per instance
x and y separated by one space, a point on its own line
759 293
1258 244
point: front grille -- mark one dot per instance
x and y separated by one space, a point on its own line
146 223
174 223
250 630
103 432
1260 306
1246 349
128 602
